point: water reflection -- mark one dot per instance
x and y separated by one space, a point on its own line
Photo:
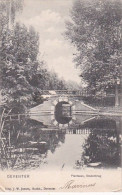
30 144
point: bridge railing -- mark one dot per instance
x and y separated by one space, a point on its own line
75 92
67 92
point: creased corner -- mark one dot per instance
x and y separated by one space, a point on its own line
2 189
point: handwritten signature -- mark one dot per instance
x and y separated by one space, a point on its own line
72 185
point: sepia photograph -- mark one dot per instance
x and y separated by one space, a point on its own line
60 95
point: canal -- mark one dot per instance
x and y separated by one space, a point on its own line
61 140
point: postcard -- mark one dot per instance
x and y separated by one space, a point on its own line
60 96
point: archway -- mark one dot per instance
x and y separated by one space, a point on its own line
63 113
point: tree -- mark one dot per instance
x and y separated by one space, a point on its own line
18 64
23 76
55 83
8 10
94 29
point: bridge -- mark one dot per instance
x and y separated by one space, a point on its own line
82 92
66 92
62 109
70 107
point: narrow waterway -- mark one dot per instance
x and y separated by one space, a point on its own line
31 145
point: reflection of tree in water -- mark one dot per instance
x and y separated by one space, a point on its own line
102 147
25 145
101 123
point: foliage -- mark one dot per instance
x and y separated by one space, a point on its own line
8 12
18 63
102 147
94 29
55 83
22 75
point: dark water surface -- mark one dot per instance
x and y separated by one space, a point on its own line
29 144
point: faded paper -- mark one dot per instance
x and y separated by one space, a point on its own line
55 136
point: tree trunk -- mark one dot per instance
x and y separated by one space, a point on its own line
9 15
120 96
116 95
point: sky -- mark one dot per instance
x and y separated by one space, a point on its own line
48 18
